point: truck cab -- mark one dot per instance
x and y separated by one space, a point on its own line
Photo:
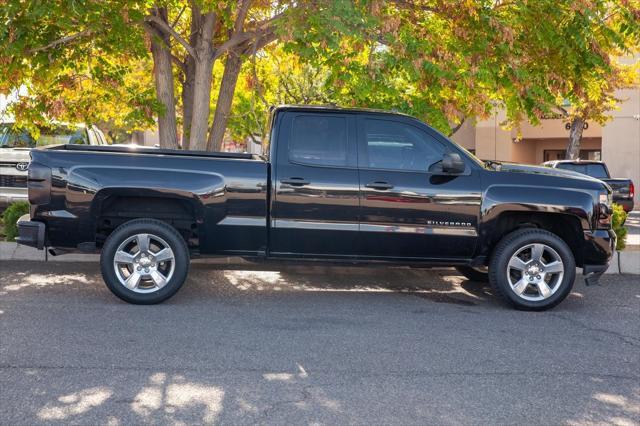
372 185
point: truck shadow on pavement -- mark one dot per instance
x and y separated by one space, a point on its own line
83 280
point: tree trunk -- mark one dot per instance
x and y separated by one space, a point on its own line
225 99
187 100
163 75
189 77
202 84
575 136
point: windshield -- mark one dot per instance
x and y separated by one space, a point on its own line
11 137
597 171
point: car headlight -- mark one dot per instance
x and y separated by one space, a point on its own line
604 210
606 198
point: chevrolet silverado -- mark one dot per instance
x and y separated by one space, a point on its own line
361 186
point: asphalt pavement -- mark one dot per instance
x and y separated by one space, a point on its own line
265 344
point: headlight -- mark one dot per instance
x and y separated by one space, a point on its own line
604 210
606 198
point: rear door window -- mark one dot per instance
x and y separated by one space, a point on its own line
318 139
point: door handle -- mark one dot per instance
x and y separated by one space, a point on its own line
295 181
379 185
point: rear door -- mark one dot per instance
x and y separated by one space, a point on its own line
408 210
315 205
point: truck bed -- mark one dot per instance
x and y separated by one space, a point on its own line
224 195
153 150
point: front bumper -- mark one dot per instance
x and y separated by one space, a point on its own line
9 195
597 251
31 233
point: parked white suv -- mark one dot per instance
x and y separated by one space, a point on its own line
15 145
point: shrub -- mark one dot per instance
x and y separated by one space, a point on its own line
11 216
617 223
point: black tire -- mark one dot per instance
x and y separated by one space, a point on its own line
509 246
157 229
473 274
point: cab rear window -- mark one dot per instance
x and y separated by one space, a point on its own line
597 171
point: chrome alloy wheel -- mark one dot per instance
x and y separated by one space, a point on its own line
535 272
144 263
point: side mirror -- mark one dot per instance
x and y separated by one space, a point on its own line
452 163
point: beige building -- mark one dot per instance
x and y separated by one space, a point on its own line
617 143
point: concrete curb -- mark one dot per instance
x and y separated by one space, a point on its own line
629 258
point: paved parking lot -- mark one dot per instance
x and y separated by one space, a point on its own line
312 345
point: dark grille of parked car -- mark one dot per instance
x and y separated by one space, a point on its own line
13 181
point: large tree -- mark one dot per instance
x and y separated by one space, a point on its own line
50 54
198 35
444 61
42 40
441 61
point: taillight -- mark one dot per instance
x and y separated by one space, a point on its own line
39 183
632 189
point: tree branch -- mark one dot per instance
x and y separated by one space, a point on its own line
562 110
232 43
178 62
175 21
62 40
458 126
410 5
268 21
242 15
244 42
161 25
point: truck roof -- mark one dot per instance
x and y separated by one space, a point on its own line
329 108
574 162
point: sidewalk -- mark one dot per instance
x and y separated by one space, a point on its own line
633 228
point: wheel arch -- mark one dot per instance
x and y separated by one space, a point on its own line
112 207
564 212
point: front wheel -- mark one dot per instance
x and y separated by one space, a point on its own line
144 261
532 269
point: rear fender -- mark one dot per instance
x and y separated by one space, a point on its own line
199 189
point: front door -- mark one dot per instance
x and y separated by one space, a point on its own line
407 210
315 204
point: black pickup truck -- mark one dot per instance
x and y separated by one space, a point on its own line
337 185
623 189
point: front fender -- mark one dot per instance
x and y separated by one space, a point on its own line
499 199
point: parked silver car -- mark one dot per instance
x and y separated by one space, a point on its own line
15 145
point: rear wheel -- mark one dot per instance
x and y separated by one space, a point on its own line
476 274
144 261
532 269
